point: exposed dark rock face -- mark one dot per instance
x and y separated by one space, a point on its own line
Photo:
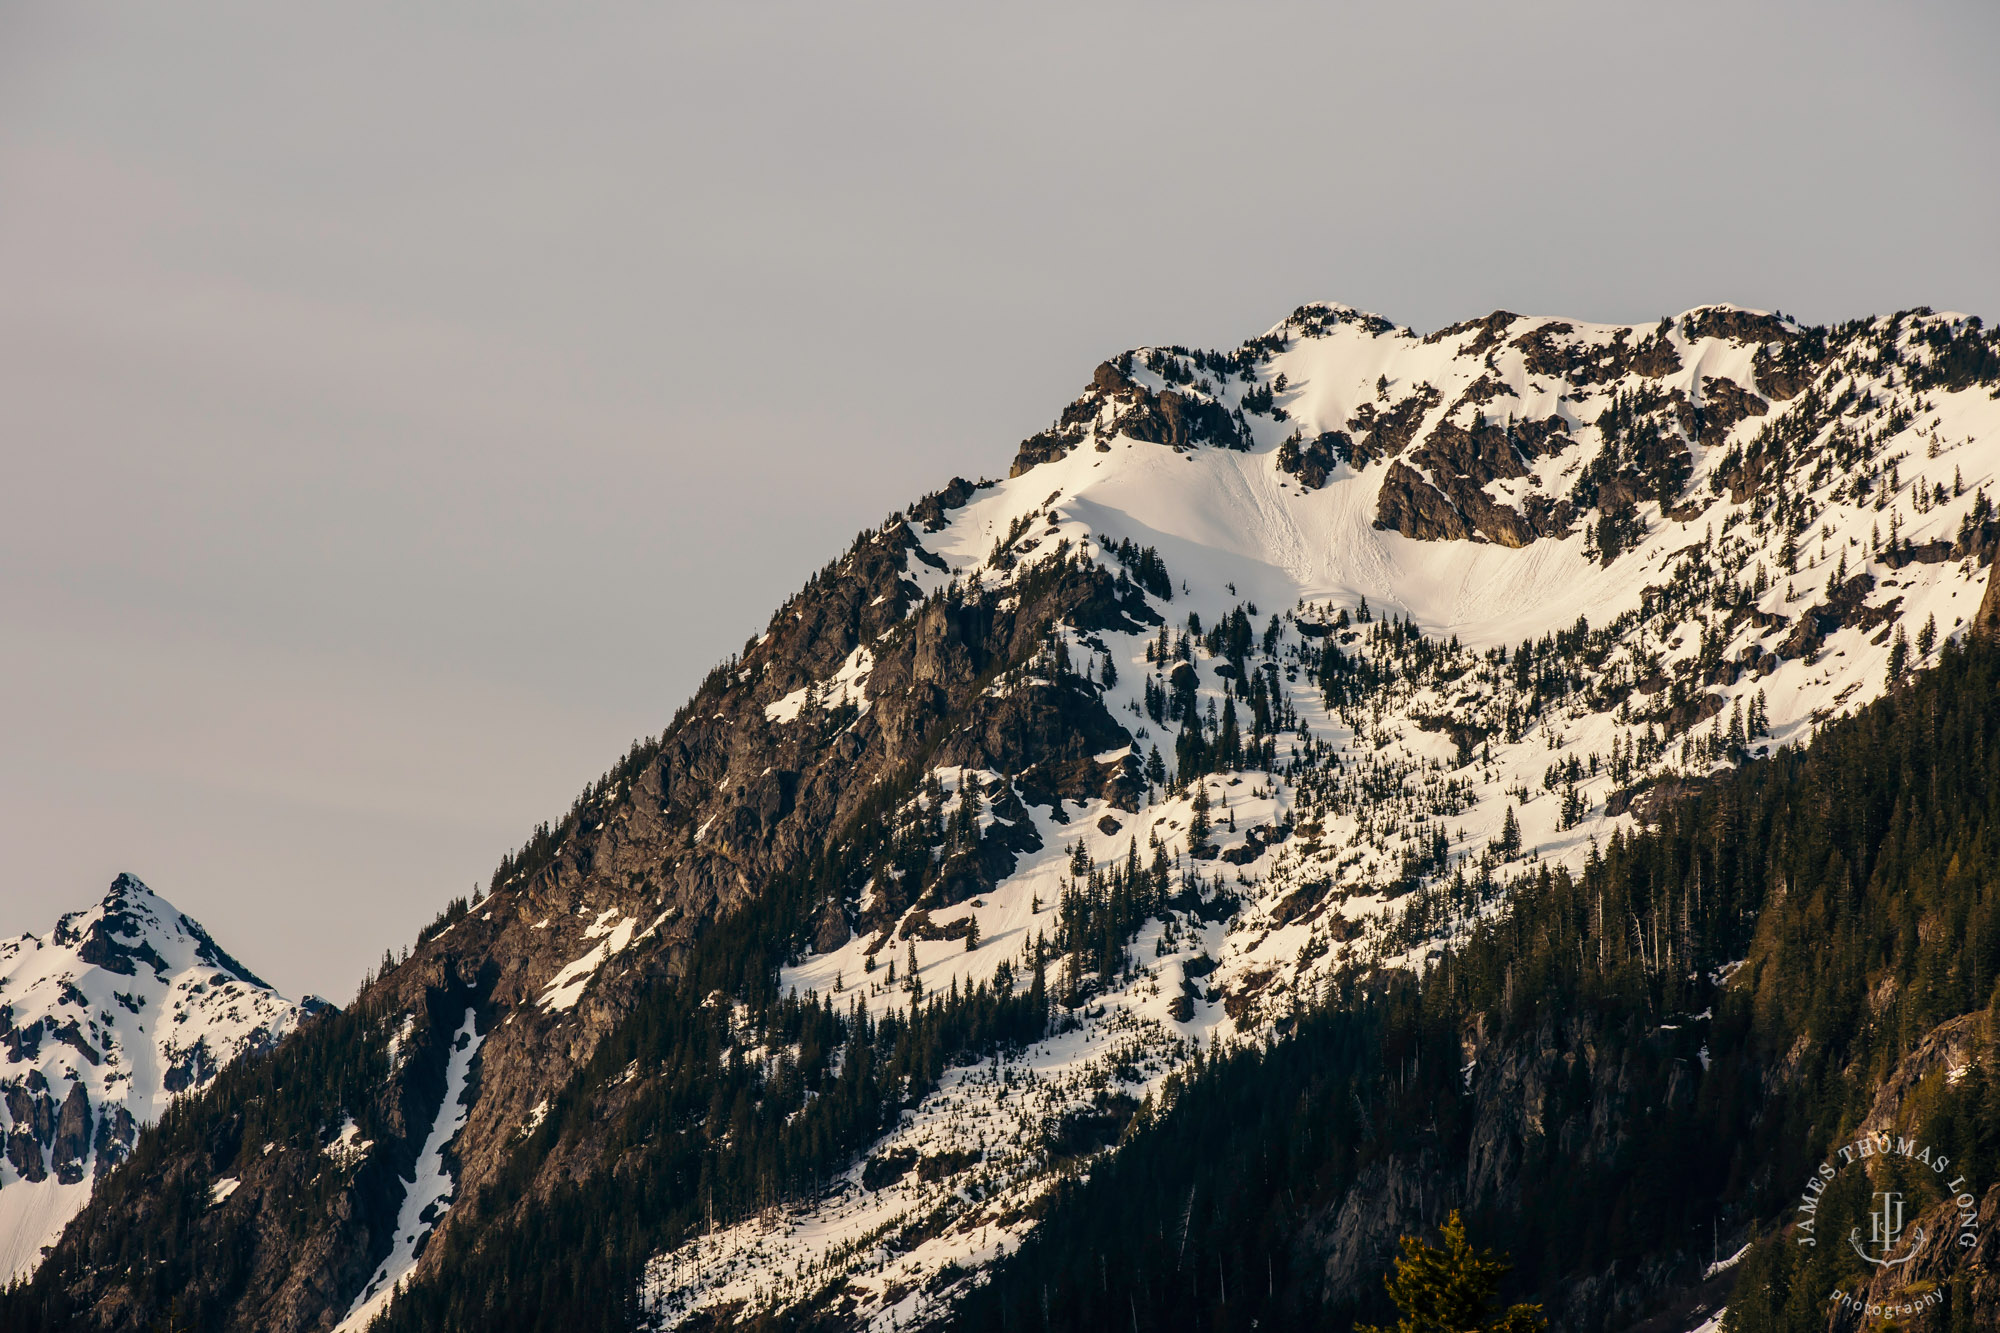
1476 456
34 1115
72 1136
1725 404
1064 726
1737 326
1482 391
1384 434
831 931
1987 621
1846 604
1412 506
116 1133
1176 418
1491 332
730 795
192 1064
887 1169
1180 421
1456 504
1583 364
1043 447
931 511
1464 461
1550 1102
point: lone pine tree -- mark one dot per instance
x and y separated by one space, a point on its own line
1452 1288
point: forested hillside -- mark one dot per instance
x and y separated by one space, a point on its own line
1626 1070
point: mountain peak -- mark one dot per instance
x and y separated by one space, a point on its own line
132 926
125 1005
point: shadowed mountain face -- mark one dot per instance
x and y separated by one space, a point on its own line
1264 671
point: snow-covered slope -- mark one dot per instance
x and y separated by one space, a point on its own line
1437 612
119 1009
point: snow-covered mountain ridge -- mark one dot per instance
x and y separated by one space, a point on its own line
1458 602
124 1006
1263 670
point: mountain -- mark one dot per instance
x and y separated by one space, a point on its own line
1195 761
125 1006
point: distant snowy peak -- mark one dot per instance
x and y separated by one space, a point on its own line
134 927
126 1004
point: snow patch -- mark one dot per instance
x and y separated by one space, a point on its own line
567 988
348 1149
1724 1265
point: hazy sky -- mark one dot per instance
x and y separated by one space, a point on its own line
402 406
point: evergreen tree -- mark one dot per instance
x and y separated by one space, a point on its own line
1451 1288
1228 745
1198 825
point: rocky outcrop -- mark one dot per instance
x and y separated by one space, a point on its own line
1116 404
1488 333
1379 434
1846 605
116 1133
33 1112
1733 325
1725 404
1987 620
71 1143
1454 503
932 511
1549 350
1412 506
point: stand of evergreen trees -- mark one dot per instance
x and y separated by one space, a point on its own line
1857 882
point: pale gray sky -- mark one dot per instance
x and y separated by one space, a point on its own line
402 406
